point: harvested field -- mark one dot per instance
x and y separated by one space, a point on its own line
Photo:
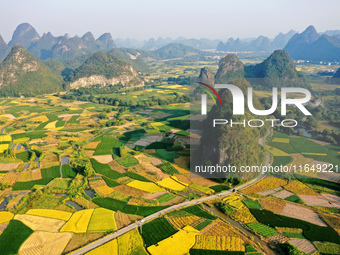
38 223
195 179
302 213
154 195
45 243
142 159
181 222
10 178
183 178
10 116
14 201
303 245
273 204
299 188
130 191
36 174
316 201
9 167
269 191
65 208
81 239
89 153
97 183
221 228
122 219
283 194
334 177
156 161
334 200
91 145
299 159
104 159
117 167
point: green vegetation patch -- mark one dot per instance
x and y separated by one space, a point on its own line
293 198
24 156
51 172
203 225
167 155
106 146
128 162
137 177
262 229
156 231
198 211
328 248
127 136
165 197
252 204
29 185
68 171
219 188
311 231
214 252
282 160
167 168
109 182
294 235
105 169
13 237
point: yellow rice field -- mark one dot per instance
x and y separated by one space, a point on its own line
54 214
102 220
78 222
299 188
130 243
41 118
145 186
179 243
220 243
281 140
5 216
265 184
5 138
171 184
3 147
275 151
51 125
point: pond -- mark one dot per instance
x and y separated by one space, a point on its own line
307 134
89 192
5 202
65 160
91 138
27 166
75 205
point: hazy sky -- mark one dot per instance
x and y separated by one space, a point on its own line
142 19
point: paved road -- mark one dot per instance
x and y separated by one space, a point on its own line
171 208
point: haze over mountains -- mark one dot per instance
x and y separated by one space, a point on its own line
73 51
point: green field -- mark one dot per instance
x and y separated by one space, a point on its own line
13 237
128 162
51 172
137 177
105 170
68 171
109 182
252 204
30 184
219 188
262 229
196 210
167 168
106 146
157 230
165 197
203 224
294 235
214 252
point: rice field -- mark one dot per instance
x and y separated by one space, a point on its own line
48 213
78 222
169 183
5 216
38 223
220 243
179 243
102 220
145 186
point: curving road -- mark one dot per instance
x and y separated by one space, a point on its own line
171 208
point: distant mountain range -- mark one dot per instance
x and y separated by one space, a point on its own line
60 48
310 45
261 43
